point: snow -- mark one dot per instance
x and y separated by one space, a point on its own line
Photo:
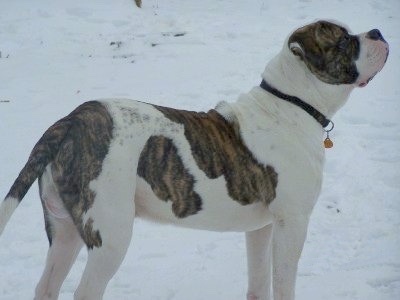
191 54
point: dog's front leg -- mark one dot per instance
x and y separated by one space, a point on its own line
259 252
289 234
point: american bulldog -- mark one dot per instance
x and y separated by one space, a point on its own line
253 166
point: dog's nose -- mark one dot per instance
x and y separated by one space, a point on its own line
375 35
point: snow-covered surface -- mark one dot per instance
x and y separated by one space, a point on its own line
191 54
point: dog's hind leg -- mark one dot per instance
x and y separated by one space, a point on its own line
111 220
65 242
105 260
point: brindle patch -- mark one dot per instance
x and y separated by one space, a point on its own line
92 237
218 151
79 161
161 166
329 51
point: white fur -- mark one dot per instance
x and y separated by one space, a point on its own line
7 208
372 58
278 134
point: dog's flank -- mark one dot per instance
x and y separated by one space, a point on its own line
218 149
161 166
75 146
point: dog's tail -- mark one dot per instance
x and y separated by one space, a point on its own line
42 154
138 3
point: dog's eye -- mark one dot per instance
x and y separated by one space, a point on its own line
342 45
344 42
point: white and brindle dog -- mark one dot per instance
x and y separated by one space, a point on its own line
253 166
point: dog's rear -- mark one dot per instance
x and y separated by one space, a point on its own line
42 154
58 136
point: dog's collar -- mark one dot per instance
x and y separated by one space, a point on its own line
316 114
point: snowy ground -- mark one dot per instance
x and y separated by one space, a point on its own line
191 54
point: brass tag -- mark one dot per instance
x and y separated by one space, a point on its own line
328 143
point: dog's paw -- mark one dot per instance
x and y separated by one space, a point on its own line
251 296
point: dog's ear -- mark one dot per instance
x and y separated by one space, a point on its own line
297 49
303 44
298 41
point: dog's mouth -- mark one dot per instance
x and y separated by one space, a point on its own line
365 83
373 57
379 62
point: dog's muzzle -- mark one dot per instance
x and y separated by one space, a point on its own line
373 56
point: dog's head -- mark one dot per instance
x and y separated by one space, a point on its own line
335 56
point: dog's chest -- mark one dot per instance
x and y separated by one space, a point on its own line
291 142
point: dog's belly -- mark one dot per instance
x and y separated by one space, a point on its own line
219 212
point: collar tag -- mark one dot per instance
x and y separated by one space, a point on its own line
328 142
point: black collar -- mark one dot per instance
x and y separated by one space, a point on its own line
297 101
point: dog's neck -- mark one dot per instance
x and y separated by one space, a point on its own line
288 74
317 115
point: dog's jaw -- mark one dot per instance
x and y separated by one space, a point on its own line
373 56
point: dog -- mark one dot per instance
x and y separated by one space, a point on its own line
252 166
